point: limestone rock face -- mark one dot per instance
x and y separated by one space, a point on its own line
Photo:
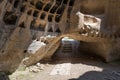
23 21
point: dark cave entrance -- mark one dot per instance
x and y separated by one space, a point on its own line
74 51
69 48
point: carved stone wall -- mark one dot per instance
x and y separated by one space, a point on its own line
108 49
21 21
91 7
113 17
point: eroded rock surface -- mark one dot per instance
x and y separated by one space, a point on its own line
23 21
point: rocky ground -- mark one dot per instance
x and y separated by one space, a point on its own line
84 68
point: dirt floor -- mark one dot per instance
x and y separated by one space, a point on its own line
84 68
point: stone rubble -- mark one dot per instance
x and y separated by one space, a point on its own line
36 68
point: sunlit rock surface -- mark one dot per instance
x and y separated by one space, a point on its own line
23 21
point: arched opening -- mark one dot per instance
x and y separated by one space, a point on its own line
69 48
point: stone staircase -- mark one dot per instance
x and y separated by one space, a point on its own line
67 48
48 50
44 52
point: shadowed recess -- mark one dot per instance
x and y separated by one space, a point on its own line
35 14
47 7
37 26
10 18
42 16
39 5
29 12
16 3
50 18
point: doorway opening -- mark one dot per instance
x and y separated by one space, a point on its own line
69 48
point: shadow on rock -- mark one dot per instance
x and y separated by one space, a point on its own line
96 75
4 76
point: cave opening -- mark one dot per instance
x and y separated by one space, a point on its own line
72 50
29 12
50 18
69 48
47 7
43 16
35 14
71 3
53 10
57 18
10 18
39 5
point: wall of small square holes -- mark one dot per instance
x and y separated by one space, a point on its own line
50 11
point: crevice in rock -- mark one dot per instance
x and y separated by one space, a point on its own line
10 18
16 3
22 25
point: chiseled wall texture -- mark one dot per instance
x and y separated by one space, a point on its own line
15 39
108 49
91 7
112 17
